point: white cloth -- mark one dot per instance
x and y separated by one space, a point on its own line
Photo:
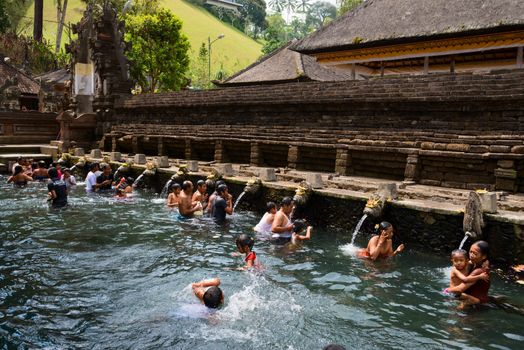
263 226
90 181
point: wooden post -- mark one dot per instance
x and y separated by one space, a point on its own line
426 65
353 71
520 54
38 20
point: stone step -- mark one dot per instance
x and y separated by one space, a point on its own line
29 148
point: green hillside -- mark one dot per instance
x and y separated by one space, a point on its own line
235 51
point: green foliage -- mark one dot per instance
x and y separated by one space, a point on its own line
320 13
347 5
159 54
278 32
254 11
5 23
32 56
199 69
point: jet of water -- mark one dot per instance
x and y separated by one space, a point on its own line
357 228
463 240
138 179
163 194
238 200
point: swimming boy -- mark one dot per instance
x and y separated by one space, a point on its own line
57 189
222 205
298 227
208 292
40 173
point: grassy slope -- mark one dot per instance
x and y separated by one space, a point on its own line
235 51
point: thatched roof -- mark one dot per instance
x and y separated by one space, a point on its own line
59 76
12 76
284 65
378 22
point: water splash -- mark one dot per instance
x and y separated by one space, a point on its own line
115 176
73 168
357 228
349 249
238 200
163 194
466 236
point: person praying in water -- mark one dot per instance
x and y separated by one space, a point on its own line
380 246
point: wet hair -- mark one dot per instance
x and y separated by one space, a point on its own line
219 182
54 164
213 297
459 252
210 186
245 241
53 173
93 166
174 187
66 170
200 183
334 347
130 180
286 201
270 206
105 166
186 185
221 189
483 247
34 165
298 226
18 170
384 225
41 164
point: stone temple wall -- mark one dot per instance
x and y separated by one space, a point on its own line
451 130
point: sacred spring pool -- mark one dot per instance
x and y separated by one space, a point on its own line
106 274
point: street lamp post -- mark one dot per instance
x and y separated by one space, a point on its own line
209 42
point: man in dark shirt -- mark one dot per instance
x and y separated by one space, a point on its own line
57 189
105 180
222 205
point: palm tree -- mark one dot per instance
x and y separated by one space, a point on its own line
303 5
277 5
290 6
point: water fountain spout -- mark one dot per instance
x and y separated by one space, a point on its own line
301 197
473 219
123 169
149 172
165 190
375 206
252 187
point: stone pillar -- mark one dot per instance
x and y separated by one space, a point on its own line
65 119
114 144
134 143
220 154
188 150
256 156
411 172
161 151
506 176
342 162
292 157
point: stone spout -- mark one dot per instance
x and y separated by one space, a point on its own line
375 206
253 186
473 219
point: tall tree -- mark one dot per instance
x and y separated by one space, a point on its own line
290 6
277 5
347 5
159 54
61 9
303 6
319 14
255 12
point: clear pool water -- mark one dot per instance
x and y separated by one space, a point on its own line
103 274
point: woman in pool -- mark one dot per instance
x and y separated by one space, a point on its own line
381 245
19 179
477 292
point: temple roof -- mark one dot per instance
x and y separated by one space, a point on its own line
26 84
284 65
59 76
379 22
